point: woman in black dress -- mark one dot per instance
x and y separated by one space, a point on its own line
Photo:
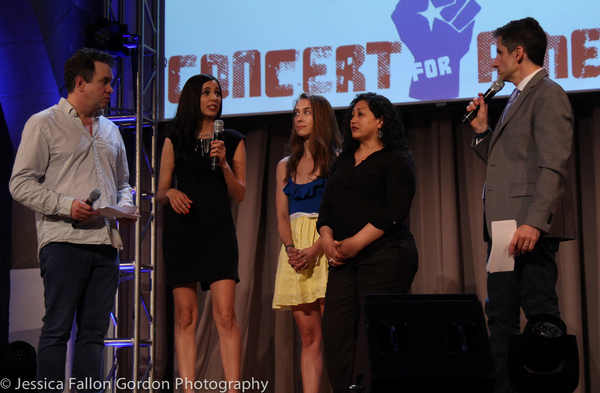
199 239
362 223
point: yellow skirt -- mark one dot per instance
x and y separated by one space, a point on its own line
308 285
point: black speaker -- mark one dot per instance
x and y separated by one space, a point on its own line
428 343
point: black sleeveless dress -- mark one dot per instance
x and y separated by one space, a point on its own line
201 246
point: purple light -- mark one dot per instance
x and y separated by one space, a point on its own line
123 119
117 345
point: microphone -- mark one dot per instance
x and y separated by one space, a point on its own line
218 129
495 88
94 195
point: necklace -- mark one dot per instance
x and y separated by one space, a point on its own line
204 141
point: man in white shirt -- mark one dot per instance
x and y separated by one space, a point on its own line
66 151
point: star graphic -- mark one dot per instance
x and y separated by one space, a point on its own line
431 14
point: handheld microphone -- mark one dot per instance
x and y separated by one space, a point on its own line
94 195
218 129
495 88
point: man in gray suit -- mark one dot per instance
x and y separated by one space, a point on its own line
526 156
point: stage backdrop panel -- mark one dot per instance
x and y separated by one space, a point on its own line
266 52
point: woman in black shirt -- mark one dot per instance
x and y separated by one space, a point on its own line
362 223
199 237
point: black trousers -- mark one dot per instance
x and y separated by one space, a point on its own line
531 286
390 270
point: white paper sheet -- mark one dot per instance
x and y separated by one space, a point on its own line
119 211
502 234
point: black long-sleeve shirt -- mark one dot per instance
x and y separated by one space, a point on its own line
378 191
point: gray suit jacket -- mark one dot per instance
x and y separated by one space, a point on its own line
526 157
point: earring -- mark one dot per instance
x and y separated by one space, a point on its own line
380 134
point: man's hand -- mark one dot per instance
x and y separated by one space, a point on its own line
523 240
479 122
127 222
81 211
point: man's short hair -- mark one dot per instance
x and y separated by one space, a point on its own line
526 33
82 63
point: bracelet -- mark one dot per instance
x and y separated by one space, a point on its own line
286 247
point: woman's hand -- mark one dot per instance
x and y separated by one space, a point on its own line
348 248
305 257
296 259
293 256
332 252
351 246
217 149
179 201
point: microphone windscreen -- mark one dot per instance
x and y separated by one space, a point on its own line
95 194
497 86
218 126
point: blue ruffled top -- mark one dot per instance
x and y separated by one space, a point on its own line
305 198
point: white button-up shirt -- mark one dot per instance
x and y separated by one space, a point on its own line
58 161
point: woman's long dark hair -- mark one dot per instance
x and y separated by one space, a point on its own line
324 140
394 136
188 119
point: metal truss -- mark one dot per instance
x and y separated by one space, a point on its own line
132 336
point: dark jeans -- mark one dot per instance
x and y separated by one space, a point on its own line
530 286
389 270
79 280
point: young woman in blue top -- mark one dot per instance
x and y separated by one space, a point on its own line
302 271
